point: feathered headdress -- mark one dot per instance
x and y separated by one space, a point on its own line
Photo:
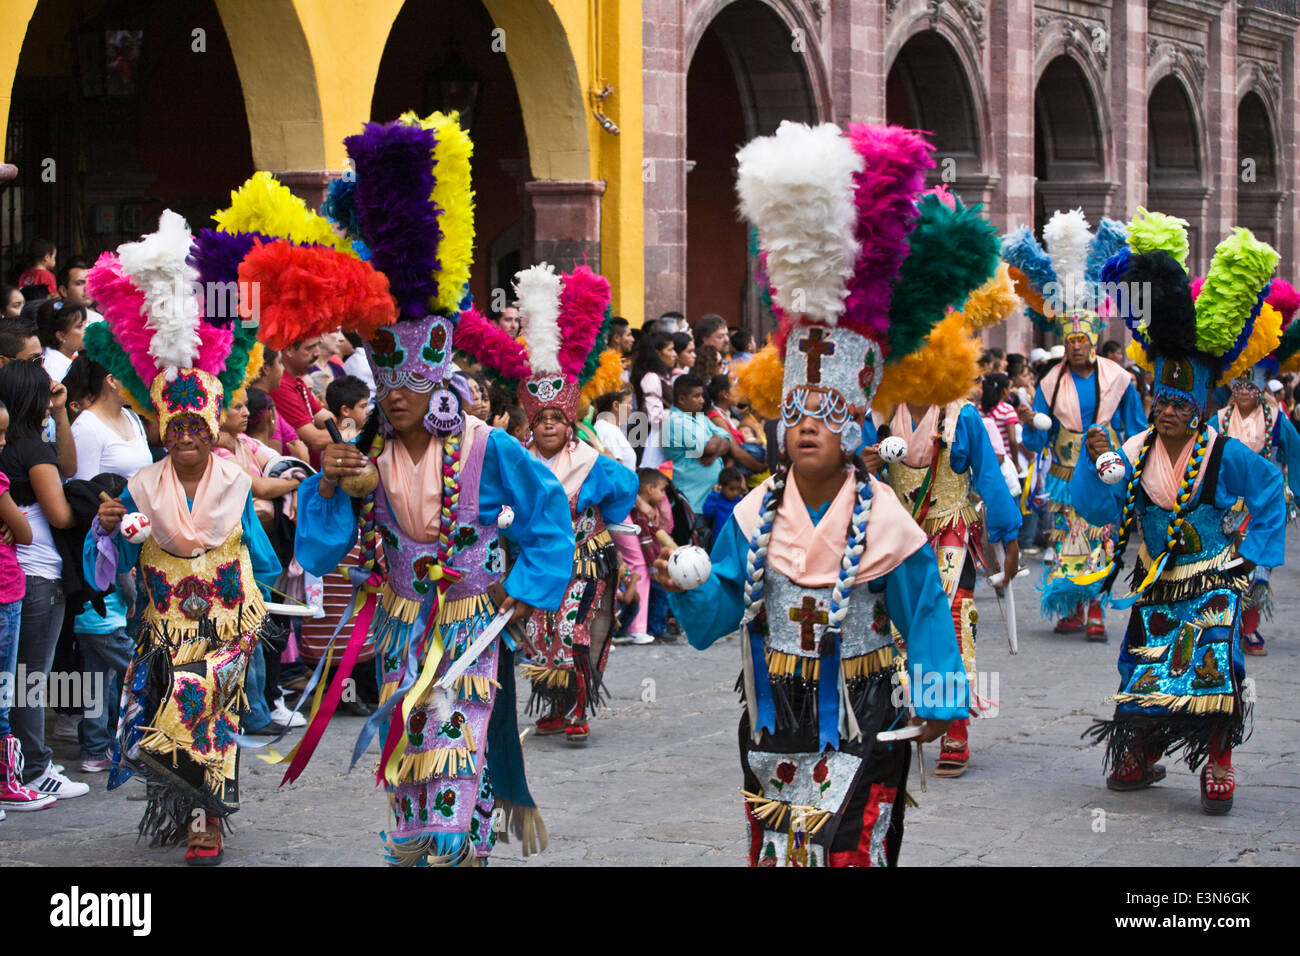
564 319
1194 338
862 268
1061 285
176 362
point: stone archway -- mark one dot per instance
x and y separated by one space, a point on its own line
1070 150
1259 194
745 77
929 88
1175 162
95 166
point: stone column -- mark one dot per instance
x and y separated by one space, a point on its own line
857 62
1128 103
664 155
566 222
1288 172
1221 120
8 173
309 185
1011 103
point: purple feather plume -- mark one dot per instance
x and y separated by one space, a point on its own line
394 166
216 256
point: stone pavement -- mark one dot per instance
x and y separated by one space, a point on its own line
658 784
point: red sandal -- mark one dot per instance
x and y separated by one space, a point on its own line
1216 793
205 847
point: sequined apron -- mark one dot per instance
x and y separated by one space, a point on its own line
1180 665
1079 547
184 688
441 806
808 806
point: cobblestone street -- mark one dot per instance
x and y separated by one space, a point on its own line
658 784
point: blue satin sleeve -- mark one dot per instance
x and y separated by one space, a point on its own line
922 613
1287 440
611 487
1130 418
1030 437
1244 474
715 608
327 528
266 566
972 452
542 530
126 553
1097 502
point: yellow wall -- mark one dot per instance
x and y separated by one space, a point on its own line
308 70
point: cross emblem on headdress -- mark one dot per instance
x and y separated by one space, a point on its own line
815 346
806 615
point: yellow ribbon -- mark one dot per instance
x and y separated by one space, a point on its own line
416 693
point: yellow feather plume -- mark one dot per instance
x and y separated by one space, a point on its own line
941 371
265 205
994 301
1138 354
760 380
453 195
608 377
256 359
1264 338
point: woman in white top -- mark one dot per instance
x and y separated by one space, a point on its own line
61 329
612 413
109 436
655 358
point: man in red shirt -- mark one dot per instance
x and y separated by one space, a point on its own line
295 402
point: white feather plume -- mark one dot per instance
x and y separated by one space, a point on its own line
156 264
796 187
1068 237
537 294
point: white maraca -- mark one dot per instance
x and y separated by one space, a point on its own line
1042 422
689 567
136 527
893 448
506 518
1110 467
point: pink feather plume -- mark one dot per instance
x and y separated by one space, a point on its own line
1283 296
480 338
1196 286
123 306
885 193
582 312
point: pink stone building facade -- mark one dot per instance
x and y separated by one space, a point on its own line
1186 106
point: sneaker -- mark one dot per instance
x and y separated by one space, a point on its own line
14 796
65 728
2 814
54 784
97 764
623 639
284 717
1031 552
643 639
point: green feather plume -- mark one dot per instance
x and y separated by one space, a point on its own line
952 252
1152 231
1289 347
593 357
232 376
1240 268
101 347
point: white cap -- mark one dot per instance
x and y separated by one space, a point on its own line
1038 355
1058 351
1274 385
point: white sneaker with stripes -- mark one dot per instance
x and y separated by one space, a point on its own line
56 785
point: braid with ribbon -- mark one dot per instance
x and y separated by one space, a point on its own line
853 550
1130 509
1187 487
450 496
756 559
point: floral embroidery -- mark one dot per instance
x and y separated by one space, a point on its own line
200 735
424 564
436 351
160 589
879 618
445 802
424 802
385 350
821 775
451 727
223 733
465 537
190 698
407 812
229 587
191 585
784 774
185 392
416 733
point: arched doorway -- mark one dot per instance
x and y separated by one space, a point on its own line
1258 194
744 78
440 57
928 89
1069 146
96 164
1175 170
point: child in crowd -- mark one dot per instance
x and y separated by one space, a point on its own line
722 499
348 399
518 426
13 587
648 516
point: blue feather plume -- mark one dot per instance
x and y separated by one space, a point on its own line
1022 250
